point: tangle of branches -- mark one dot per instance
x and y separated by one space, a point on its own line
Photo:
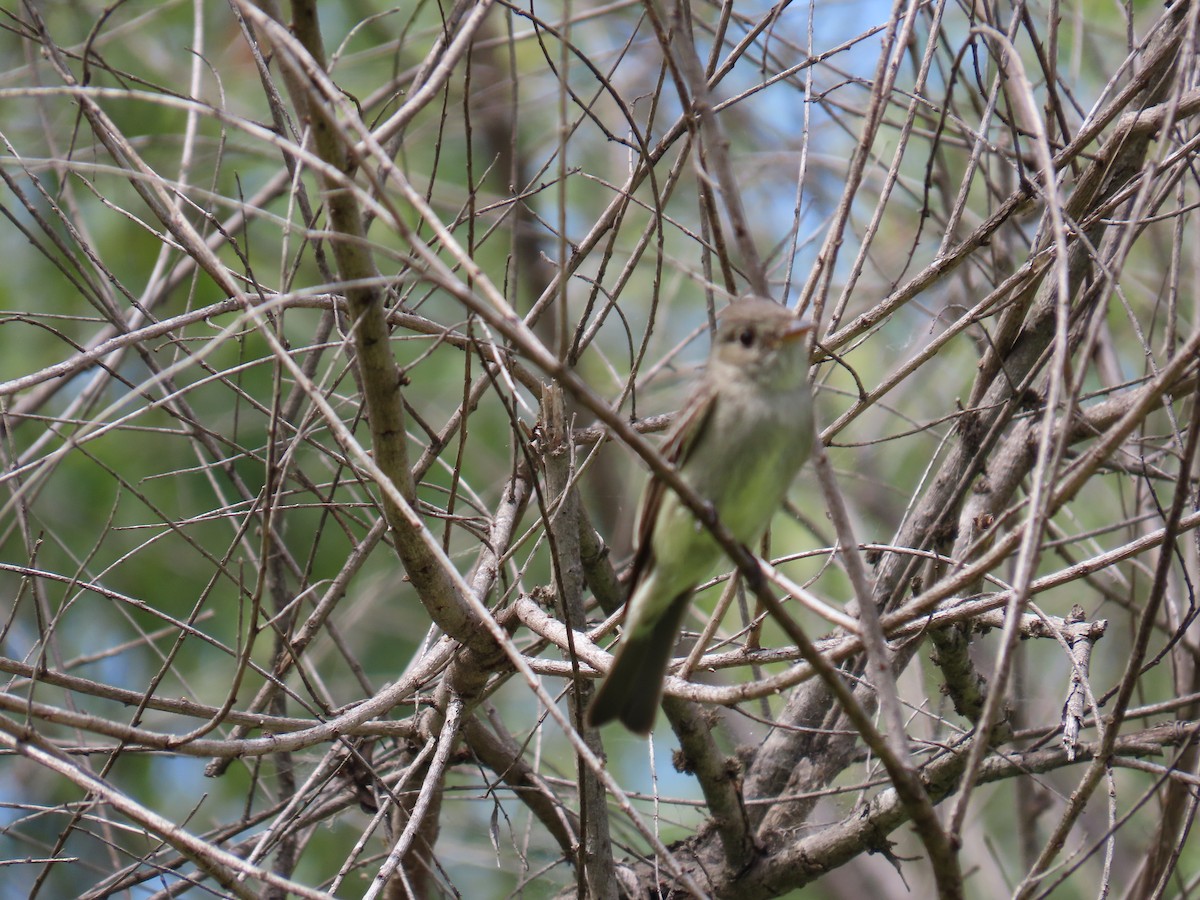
335 340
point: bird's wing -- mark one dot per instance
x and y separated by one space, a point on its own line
689 425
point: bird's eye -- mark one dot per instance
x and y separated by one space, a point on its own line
746 337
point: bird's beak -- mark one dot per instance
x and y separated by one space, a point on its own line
798 328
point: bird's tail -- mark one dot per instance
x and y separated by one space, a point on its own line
633 688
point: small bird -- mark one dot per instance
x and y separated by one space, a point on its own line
742 435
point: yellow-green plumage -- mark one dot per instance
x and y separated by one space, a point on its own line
740 439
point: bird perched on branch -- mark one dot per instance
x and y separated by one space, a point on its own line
740 438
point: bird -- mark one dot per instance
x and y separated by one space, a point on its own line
738 441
